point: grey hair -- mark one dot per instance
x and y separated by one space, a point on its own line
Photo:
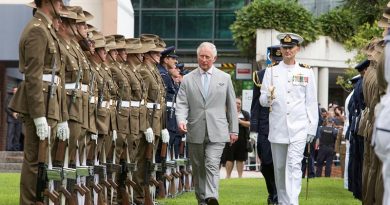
209 45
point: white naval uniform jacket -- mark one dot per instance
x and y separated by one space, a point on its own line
295 107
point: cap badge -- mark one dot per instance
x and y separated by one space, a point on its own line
287 39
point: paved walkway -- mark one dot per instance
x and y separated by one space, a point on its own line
245 174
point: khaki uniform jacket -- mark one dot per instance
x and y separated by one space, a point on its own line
103 115
73 76
156 94
84 63
124 90
138 115
38 51
371 98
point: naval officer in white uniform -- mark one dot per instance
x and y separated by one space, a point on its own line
289 89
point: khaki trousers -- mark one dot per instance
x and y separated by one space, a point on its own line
28 178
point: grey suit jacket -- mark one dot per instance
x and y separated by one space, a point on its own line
215 113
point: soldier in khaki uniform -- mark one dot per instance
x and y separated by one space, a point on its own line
105 112
373 89
73 77
77 45
155 99
123 100
40 97
138 112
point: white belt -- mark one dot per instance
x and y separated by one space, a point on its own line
171 104
105 103
125 104
92 100
150 105
84 87
135 103
48 77
142 102
113 102
70 86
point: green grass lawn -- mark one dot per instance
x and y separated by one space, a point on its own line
248 191
9 188
322 191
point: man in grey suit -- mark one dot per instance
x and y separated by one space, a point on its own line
206 111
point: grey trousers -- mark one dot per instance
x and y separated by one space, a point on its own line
205 159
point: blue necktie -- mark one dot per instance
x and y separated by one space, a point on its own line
205 83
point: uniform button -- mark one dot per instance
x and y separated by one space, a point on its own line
288 113
289 81
288 103
288 91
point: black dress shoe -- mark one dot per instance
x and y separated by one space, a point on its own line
212 201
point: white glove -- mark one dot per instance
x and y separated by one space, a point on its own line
42 127
253 136
94 137
114 135
271 94
183 139
63 131
149 135
165 136
309 138
337 155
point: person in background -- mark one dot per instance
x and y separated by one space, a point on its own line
14 128
259 128
328 134
237 152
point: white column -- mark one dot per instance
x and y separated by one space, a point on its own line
315 70
323 87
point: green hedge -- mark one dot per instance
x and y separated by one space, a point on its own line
282 15
340 24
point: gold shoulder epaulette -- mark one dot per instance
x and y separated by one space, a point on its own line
304 66
274 64
256 79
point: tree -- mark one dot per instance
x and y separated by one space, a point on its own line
367 11
282 15
339 24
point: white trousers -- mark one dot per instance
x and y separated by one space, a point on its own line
287 160
346 164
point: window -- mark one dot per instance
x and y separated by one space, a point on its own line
229 4
189 44
195 24
223 20
161 23
196 4
158 3
225 45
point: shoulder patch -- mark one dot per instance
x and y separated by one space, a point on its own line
304 66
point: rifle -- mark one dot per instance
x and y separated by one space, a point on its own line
123 179
61 162
161 183
74 91
112 168
90 181
41 188
91 85
101 94
148 167
119 102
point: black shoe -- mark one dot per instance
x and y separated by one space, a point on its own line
212 201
